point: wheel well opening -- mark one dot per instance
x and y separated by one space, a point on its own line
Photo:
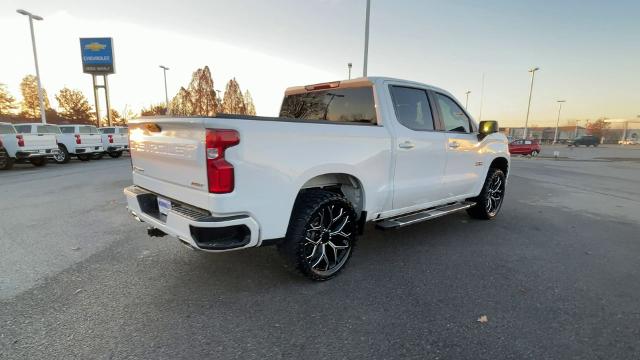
346 185
500 163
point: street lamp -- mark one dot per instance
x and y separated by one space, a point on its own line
166 94
366 39
32 17
575 135
555 137
526 122
349 65
466 104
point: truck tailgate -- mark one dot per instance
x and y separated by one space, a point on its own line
91 139
169 152
39 141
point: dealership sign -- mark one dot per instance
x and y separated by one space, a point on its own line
97 55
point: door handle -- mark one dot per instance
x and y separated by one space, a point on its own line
406 145
454 145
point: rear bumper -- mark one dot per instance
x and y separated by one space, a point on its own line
30 154
89 149
194 227
118 148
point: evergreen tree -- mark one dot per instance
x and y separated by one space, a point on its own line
202 93
233 101
250 108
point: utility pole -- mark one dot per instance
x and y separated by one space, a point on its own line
166 94
43 117
526 122
366 39
555 137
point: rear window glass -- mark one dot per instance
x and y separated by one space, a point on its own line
7 129
67 129
89 130
338 105
124 130
48 129
23 129
108 130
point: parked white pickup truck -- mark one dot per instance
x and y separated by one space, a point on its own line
25 146
380 150
81 141
115 140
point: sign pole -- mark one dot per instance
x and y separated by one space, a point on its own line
95 96
106 94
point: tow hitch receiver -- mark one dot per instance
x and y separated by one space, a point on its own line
153 232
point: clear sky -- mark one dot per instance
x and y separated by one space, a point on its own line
588 51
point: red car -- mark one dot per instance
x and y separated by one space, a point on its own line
524 147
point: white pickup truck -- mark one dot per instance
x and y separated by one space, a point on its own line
25 146
115 140
82 141
343 153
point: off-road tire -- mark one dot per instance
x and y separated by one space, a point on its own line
97 156
310 219
483 209
84 157
115 154
6 162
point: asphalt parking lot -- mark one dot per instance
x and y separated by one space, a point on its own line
556 276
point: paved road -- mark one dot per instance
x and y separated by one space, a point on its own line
556 275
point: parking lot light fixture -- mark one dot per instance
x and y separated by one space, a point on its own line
555 137
466 103
43 117
526 122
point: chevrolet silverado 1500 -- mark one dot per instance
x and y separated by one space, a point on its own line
341 154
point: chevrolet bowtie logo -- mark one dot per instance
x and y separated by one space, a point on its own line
94 46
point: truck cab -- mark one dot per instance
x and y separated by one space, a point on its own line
21 144
115 140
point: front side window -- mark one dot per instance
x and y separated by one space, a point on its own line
453 117
337 105
412 108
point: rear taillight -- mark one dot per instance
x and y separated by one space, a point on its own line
219 171
110 139
20 140
78 139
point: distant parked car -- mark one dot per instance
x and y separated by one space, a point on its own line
34 148
81 141
525 147
115 140
628 142
586 140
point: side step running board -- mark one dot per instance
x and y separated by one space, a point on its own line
424 215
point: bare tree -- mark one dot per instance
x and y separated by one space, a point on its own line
30 106
202 93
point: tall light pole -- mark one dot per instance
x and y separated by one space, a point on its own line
555 137
349 65
32 17
166 94
466 103
526 122
366 39
575 135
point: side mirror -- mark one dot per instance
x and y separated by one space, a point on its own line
487 128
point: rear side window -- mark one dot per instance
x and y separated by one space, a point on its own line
48 129
7 129
453 116
412 108
67 130
338 105
124 130
23 129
